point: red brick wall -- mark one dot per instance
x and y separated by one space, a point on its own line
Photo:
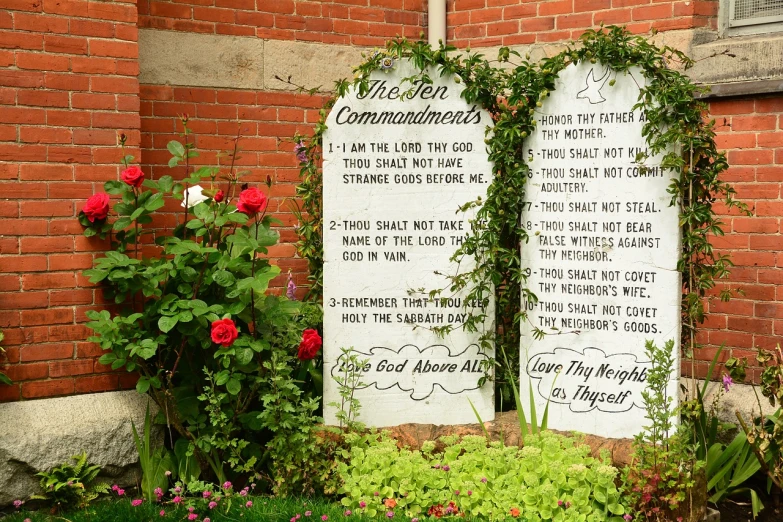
356 22
512 22
751 131
68 84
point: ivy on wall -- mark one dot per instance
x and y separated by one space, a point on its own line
512 89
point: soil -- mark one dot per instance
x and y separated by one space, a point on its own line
741 512
738 509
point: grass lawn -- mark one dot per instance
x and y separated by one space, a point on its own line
264 509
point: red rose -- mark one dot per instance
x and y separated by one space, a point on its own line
97 207
224 332
219 196
133 176
251 201
311 343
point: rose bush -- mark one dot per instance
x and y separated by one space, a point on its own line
212 347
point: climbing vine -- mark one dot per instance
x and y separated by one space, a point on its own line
512 88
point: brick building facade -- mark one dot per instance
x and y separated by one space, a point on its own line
75 73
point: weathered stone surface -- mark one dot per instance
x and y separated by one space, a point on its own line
39 435
505 425
308 64
200 60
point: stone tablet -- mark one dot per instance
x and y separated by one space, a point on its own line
603 250
395 173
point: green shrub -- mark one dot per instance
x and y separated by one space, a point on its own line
551 478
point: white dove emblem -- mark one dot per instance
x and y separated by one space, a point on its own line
592 90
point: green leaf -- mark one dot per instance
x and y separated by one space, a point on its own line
244 356
166 323
233 386
114 187
176 148
142 385
224 278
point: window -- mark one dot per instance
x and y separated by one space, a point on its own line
752 16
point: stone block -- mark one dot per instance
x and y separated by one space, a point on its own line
39 435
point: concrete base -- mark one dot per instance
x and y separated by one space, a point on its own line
39 435
740 397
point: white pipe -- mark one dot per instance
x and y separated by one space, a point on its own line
436 21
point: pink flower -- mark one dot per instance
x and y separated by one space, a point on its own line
727 382
212 505
207 520
362 504
191 509
168 473
456 492
308 513
248 504
206 494
227 485
137 502
158 492
348 513
120 492
470 492
162 513
193 516
176 499
627 517
18 503
390 514
115 487
178 490
324 518
483 480
243 493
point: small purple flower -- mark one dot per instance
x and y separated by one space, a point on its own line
436 466
178 490
727 382
414 519
243 493
568 504
227 485
158 493
456 492
560 503
446 467
390 514
137 502
627 517
348 513
449 509
212 505
483 480
18 503
362 504
470 492
290 292
206 520
376 493
301 152
249 504
206 494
